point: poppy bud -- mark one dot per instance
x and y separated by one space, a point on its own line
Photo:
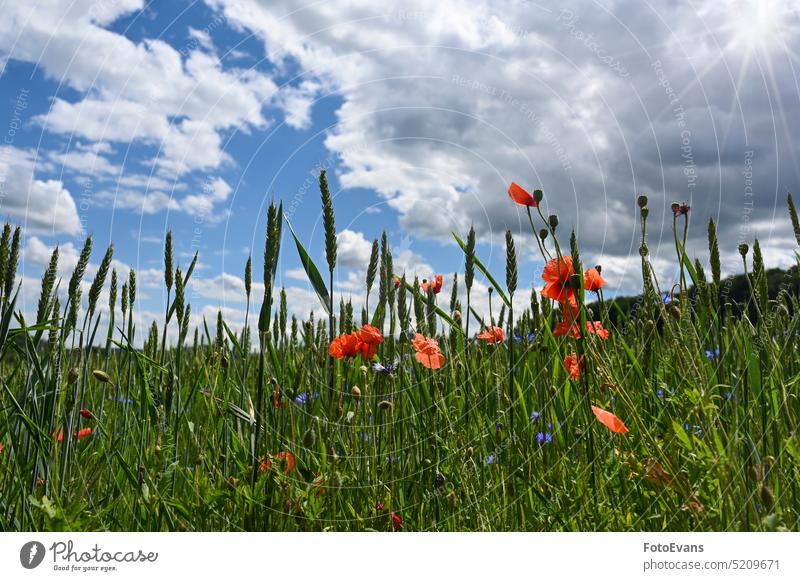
309 438
743 248
553 221
101 376
73 374
645 212
490 290
642 201
356 393
674 311
538 195
599 269
385 405
470 452
457 317
643 251
767 497
543 233
675 207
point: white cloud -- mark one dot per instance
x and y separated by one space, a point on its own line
442 105
352 249
41 205
143 91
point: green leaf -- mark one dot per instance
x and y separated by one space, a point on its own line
485 272
311 271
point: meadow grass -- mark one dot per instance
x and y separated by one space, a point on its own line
417 421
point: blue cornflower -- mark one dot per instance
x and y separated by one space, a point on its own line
387 369
518 337
535 417
666 298
490 459
393 459
302 397
660 393
544 437
712 354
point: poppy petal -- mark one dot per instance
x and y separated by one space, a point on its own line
610 421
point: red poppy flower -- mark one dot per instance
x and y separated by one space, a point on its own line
572 328
492 335
521 196
2 447
266 463
397 282
428 353
592 281
288 458
83 433
573 367
610 421
86 414
437 284
344 346
556 275
397 521
369 338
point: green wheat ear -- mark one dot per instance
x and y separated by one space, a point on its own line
11 266
248 276
100 279
469 258
168 267
372 268
713 249
511 263
328 219
4 242
793 216
48 282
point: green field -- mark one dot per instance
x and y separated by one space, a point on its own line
417 417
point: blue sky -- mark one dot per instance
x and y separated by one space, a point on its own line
125 119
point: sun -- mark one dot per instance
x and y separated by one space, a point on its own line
761 25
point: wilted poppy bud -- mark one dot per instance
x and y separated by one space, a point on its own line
538 195
674 311
385 405
553 221
355 392
457 317
364 369
642 201
232 482
100 376
675 207
73 374
543 233
743 248
470 452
